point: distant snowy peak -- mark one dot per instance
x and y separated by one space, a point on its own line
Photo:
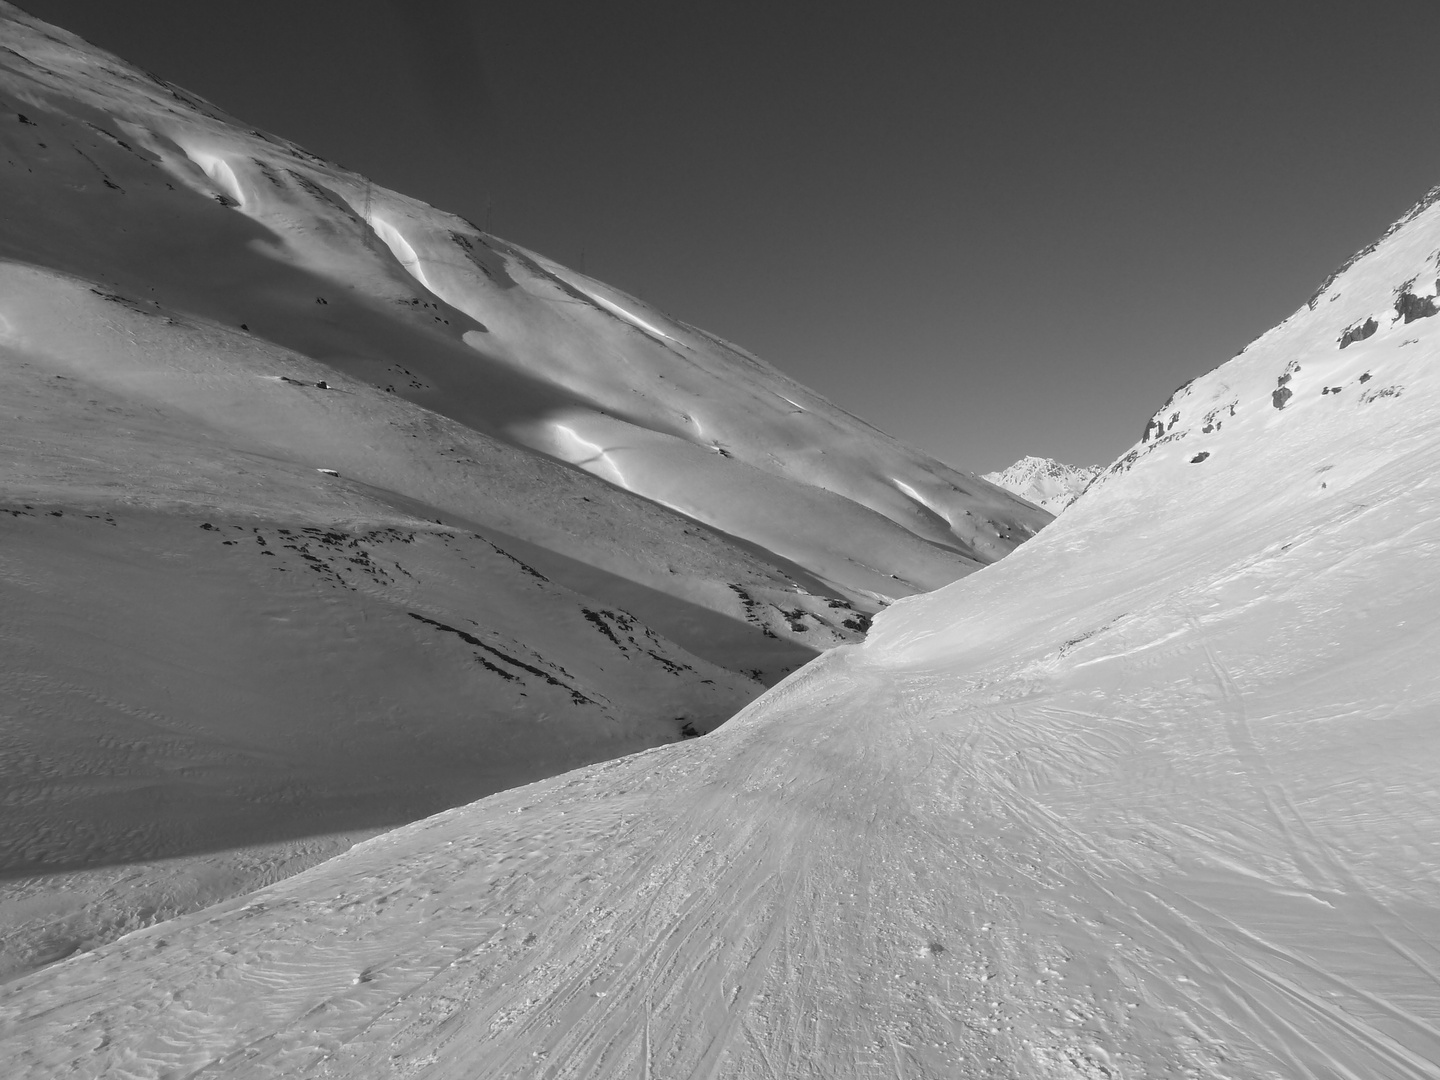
1049 484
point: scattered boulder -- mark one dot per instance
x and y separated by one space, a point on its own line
1410 307
1358 332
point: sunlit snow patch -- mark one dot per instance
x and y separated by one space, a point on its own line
220 172
616 309
588 455
399 247
912 493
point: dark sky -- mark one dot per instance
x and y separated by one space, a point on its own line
991 230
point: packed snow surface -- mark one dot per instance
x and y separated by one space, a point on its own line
1155 796
1047 483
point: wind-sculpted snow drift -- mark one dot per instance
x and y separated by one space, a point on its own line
322 510
1155 796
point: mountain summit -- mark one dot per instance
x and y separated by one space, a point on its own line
1045 482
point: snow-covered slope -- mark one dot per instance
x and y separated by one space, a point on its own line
1155 796
162 202
1047 483
321 510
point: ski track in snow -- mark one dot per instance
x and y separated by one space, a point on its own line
938 873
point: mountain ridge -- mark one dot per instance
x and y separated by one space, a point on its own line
1047 483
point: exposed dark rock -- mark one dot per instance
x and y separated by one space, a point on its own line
1381 392
472 640
1178 391
1430 198
1199 457
1410 307
1123 465
1359 332
1280 396
594 618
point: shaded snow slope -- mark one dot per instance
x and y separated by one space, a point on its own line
1047 483
1153 797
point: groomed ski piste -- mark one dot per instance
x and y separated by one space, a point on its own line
1155 796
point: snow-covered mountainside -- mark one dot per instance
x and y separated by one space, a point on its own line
174 212
322 510
1155 796
1047 483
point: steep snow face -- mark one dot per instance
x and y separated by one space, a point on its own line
1155 796
1045 482
126 182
